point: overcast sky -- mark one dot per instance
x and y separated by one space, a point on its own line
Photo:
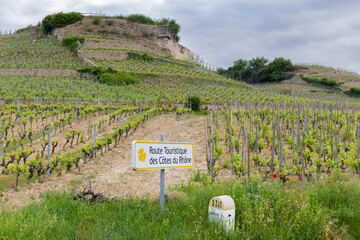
325 32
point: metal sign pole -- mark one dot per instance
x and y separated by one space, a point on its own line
49 150
162 179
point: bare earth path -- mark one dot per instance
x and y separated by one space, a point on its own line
38 72
112 174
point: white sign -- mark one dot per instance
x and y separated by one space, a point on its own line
222 210
161 155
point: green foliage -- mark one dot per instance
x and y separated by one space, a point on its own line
285 91
194 102
71 41
118 79
97 71
322 82
353 92
257 70
140 18
322 211
110 76
173 27
96 20
273 72
60 20
109 22
145 34
142 57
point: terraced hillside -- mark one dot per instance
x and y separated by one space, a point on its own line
47 69
69 115
346 80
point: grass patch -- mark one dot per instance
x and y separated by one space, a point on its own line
194 115
300 210
325 82
8 181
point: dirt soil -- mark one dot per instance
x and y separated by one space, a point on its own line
38 72
112 173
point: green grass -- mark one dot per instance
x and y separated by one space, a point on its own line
8 181
197 114
300 211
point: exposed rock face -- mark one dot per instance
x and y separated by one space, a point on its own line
177 50
295 79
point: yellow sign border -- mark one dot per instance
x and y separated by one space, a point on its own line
192 149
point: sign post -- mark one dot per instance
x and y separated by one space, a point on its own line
161 155
162 179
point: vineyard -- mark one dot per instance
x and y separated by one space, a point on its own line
40 139
261 140
285 138
33 51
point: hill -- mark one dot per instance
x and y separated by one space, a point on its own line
73 100
300 88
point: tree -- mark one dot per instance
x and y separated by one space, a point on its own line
255 68
60 20
275 69
239 69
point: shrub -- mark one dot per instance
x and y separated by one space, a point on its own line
324 81
110 76
60 20
128 34
353 92
140 19
96 20
110 22
145 34
118 79
194 102
142 57
71 41
173 26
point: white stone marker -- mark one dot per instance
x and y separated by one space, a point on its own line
222 210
